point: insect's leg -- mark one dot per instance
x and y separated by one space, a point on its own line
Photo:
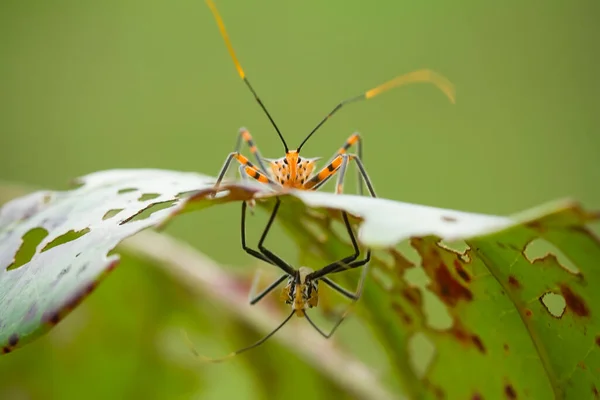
341 172
235 353
363 172
249 168
339 187
252 252
344 263
354 139
244 135
244 177
254 298
327 172
276 260
353 296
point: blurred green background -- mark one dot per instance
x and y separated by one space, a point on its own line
86 86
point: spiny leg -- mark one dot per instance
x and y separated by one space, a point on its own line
353 296
235 353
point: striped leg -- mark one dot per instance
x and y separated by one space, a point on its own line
250 169
332 168
245 136
354 139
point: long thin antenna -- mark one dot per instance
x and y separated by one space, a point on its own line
423 75
238 66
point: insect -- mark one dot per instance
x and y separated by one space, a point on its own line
293 171
301 290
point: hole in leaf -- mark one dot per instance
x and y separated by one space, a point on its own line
66 238
555 304
540 248
111 213
458 246
409 252
421 351
185 194
126 190
148 196
30 241
438 316
148 211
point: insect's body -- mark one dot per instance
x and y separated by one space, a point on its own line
300 292
292 171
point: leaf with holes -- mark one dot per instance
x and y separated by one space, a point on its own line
533 322
54 245
486 321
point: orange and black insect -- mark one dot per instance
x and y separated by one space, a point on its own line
302 287
293 171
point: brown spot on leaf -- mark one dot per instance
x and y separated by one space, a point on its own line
438 392
528 312
534 225
581 365
401 262
477 396
412 295
51 318
574 302
461 271
13 340
598 340
595 392
5 350
403 315
509 391
450 289
506 348
478 343
513 282
447 218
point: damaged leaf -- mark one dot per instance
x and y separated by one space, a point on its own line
504 325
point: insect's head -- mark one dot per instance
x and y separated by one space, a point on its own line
300 292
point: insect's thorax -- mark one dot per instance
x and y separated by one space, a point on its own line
300 292
292 171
